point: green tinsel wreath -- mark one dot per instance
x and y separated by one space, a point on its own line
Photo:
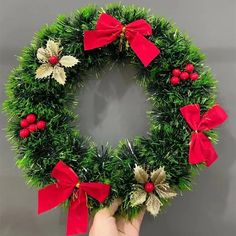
167 143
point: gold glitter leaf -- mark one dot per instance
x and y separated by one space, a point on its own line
43 71
140 175
138 197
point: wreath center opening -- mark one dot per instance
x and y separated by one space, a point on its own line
113 106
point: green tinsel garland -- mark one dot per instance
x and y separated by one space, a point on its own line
168 141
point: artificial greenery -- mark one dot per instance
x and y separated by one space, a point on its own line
167 142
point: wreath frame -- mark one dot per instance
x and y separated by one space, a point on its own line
168 141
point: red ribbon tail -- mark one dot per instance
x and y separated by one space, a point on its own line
144 49
78 216
201 150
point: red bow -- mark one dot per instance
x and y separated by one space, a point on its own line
68 185
109 29
201 148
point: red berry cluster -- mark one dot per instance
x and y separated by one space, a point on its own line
178 75
29 124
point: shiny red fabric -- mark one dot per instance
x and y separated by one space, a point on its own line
55 194
201 148
109 29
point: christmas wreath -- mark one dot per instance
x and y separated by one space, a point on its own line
144 172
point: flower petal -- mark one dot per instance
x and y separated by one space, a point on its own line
140 175
53 47
138 197
59 75
153 204
68 61
158 176
164 191
44 70
42 55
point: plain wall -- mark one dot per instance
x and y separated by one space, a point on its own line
210 209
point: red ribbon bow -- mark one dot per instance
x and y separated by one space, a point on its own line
109 29
68 185
201 148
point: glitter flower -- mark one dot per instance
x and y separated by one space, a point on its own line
150 189
53 62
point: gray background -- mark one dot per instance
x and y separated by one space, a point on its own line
210 209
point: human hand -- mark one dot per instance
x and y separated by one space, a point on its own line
105 224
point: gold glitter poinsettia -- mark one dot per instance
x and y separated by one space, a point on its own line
53 62
150 189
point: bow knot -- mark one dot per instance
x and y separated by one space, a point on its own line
122 36
75 195
68 186
123 31
109 29
201 148
75 192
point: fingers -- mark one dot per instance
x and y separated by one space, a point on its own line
131 227
110 211
138 220
114 206
104 224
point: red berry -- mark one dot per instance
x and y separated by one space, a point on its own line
176 72
24 123
53 60
149 187
24 133
189 68
174 80
184 75
41 124
32 128
31 118
194 76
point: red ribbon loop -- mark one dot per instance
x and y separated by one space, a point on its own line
201 148
55 194
109 29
